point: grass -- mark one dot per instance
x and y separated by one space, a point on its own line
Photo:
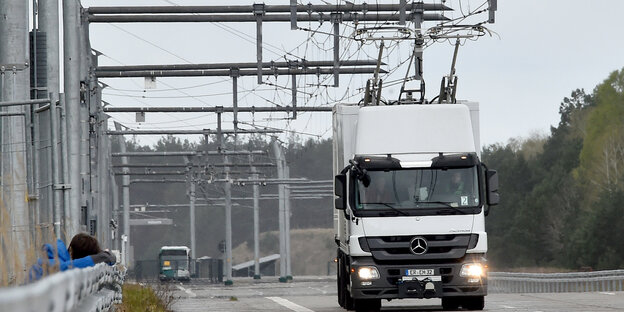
142 298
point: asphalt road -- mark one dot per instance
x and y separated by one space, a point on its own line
318 294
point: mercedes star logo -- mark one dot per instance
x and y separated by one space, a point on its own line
418 245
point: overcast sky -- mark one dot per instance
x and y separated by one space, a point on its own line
540 52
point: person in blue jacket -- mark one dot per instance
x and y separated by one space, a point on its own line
84 251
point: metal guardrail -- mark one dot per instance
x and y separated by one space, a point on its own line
503 282
95 289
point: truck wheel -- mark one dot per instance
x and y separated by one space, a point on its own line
474 303
450 303
367 305
347 300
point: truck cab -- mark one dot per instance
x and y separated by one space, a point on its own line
411 200
174 263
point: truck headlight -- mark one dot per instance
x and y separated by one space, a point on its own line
368 273
472 270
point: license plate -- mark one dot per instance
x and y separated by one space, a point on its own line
419 272
422 278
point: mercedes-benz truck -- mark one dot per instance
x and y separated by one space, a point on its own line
411 199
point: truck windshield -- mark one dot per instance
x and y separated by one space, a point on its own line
419 188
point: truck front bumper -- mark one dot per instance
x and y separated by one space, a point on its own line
392 283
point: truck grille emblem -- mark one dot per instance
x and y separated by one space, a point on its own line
418 245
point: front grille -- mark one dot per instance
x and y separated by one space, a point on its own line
450 246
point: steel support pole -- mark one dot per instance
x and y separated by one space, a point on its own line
185 132
38 157
258 10
293 14
279 157
256 220
39 216
56 166
125 184
418 47
14 86
192 216
243 72
227 187
88 147
336 19
287 222
301 64
48 24
71 47
240 18
402 4
294 95
115 207
228 231
103 167
67 214
283 8
234 75
39 209
214 109
146 154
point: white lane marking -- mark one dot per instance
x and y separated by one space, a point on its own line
607 293
289 304
324 292
508 307
187 291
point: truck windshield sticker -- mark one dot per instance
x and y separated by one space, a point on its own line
464 201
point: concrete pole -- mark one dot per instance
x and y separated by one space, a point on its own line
125 184
192 214
15 83
71 61
279 157
256 220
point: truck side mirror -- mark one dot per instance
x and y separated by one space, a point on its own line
340 184
492 187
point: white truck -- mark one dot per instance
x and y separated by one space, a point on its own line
412 196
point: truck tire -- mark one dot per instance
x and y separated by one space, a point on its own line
367 305
339 282
450 303
473 303
347 300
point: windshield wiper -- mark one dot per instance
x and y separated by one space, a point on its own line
389 206
447 204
